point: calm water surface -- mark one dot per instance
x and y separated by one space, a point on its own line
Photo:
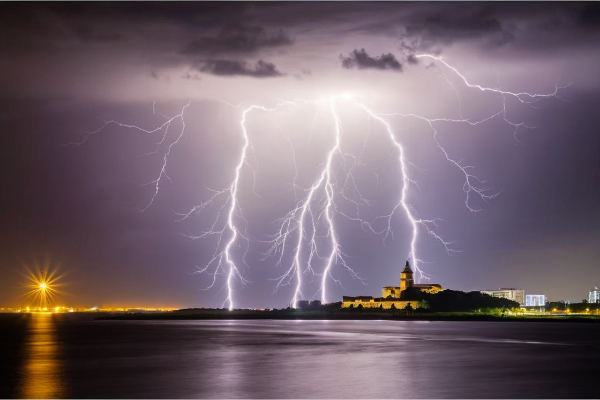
71 356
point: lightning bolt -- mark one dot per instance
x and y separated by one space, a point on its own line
523 97
310 226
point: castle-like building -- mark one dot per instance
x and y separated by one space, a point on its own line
399 296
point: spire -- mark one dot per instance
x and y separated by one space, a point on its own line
407 268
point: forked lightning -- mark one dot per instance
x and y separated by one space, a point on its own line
317 208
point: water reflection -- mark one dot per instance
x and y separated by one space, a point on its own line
42 368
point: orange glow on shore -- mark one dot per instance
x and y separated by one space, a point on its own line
61 309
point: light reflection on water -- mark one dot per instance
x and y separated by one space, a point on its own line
41 376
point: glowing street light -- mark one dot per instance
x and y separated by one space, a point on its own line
43 287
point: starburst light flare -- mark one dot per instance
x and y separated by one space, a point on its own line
43 287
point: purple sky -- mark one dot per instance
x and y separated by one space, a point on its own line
65 68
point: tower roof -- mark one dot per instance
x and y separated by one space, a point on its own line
407 268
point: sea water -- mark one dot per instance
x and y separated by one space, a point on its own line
75 356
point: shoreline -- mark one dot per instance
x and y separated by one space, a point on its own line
332 315
218 314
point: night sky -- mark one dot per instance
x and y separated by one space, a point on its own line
77 208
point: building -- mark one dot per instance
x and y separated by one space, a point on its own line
513 294
396 296
594 295
535 300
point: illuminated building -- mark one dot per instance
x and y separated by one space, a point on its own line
513 294
398 296
406 281
594 295
535 302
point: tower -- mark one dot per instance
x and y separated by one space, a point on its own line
406 277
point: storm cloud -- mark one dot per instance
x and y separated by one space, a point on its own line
237 39
360 59
261 69
437 31
494 26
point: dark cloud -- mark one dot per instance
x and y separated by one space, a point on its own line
50 26
536 26
261 69
437 30
39 26
361 60
174 31
589 16
237 39
89 35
